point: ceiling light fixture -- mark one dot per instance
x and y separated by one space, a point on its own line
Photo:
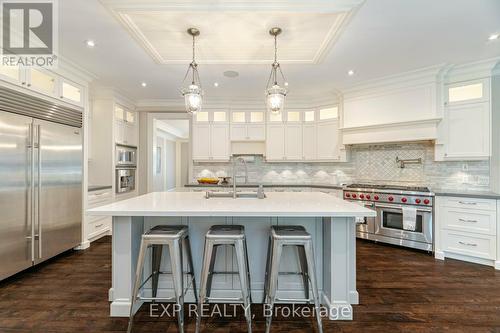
192 93
275 94
350 72
144 84
494 37
90 43
216 84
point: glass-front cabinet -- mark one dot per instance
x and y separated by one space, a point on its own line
248 125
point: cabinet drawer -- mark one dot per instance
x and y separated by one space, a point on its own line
98 226
470 203
475 245
99 198
483 222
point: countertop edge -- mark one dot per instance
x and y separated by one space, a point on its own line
335 187
494 196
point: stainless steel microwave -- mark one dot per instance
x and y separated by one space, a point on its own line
126 156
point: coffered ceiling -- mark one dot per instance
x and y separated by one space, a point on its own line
322 41
234 32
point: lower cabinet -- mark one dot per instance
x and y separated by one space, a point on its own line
98 226
466 229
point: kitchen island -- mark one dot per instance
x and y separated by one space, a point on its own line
330 221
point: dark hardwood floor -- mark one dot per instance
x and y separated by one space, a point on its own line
400 291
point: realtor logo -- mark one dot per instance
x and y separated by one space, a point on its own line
29 33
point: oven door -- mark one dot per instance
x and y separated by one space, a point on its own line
365 224
389 223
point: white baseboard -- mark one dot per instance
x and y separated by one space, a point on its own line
338 310
82 246
439 255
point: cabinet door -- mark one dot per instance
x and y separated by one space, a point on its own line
275 143
238 132
468 92
293 142
468 131
71 92
256 132
219 142
327 140
309 142
130 137
42 81
201 141
13 74
120 132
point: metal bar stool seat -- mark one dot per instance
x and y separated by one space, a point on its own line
291 236
176 237
234 236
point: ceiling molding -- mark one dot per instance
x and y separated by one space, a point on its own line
149 34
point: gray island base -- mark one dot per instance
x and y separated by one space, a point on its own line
330 220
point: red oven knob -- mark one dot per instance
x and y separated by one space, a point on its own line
376 197
427 201
361 196
368 197
418 201
404 199
348 195
391 198
354 195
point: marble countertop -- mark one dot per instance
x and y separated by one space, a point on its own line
466 194
276 204
335 187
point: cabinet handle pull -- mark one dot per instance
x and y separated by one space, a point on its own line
467 203
469 221
99 225
467 244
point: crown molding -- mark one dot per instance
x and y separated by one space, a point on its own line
473 70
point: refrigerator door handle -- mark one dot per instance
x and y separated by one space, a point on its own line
31 194
39 186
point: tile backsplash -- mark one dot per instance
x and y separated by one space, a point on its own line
367 164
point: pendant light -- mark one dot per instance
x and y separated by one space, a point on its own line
275 94
193 95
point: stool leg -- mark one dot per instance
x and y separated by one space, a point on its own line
244 281
178 277
273 281
304 269
266 277
213 257
189 255
248 271
137 283
155 268
203 281
312 268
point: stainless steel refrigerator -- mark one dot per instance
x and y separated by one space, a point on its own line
40 181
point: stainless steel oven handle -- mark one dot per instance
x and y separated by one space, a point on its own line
427 210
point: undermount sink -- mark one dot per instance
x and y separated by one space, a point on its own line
239 195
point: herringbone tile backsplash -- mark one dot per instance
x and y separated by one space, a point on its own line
367 164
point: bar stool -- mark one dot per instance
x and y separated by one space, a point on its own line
291 236
173 236
232 235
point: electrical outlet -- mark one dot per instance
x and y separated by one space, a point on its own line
465 167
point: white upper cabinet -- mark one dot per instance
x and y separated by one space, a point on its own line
126 130
468 131
248 125
293 142
275 142
468 92
13 74
42 81
211 135
71 92
327 141
309 143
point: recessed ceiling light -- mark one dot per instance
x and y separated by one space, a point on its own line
216 84
90 43
350 72
231 74
286 84
494 37
144 84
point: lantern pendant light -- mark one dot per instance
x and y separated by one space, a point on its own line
275 93
193 94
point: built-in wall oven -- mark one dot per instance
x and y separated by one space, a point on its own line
126 165
395 206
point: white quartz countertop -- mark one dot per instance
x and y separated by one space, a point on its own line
277 204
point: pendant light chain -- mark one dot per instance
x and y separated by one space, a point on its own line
193 63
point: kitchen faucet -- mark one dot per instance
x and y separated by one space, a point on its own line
235 160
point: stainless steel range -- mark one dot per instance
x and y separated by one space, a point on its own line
404 214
